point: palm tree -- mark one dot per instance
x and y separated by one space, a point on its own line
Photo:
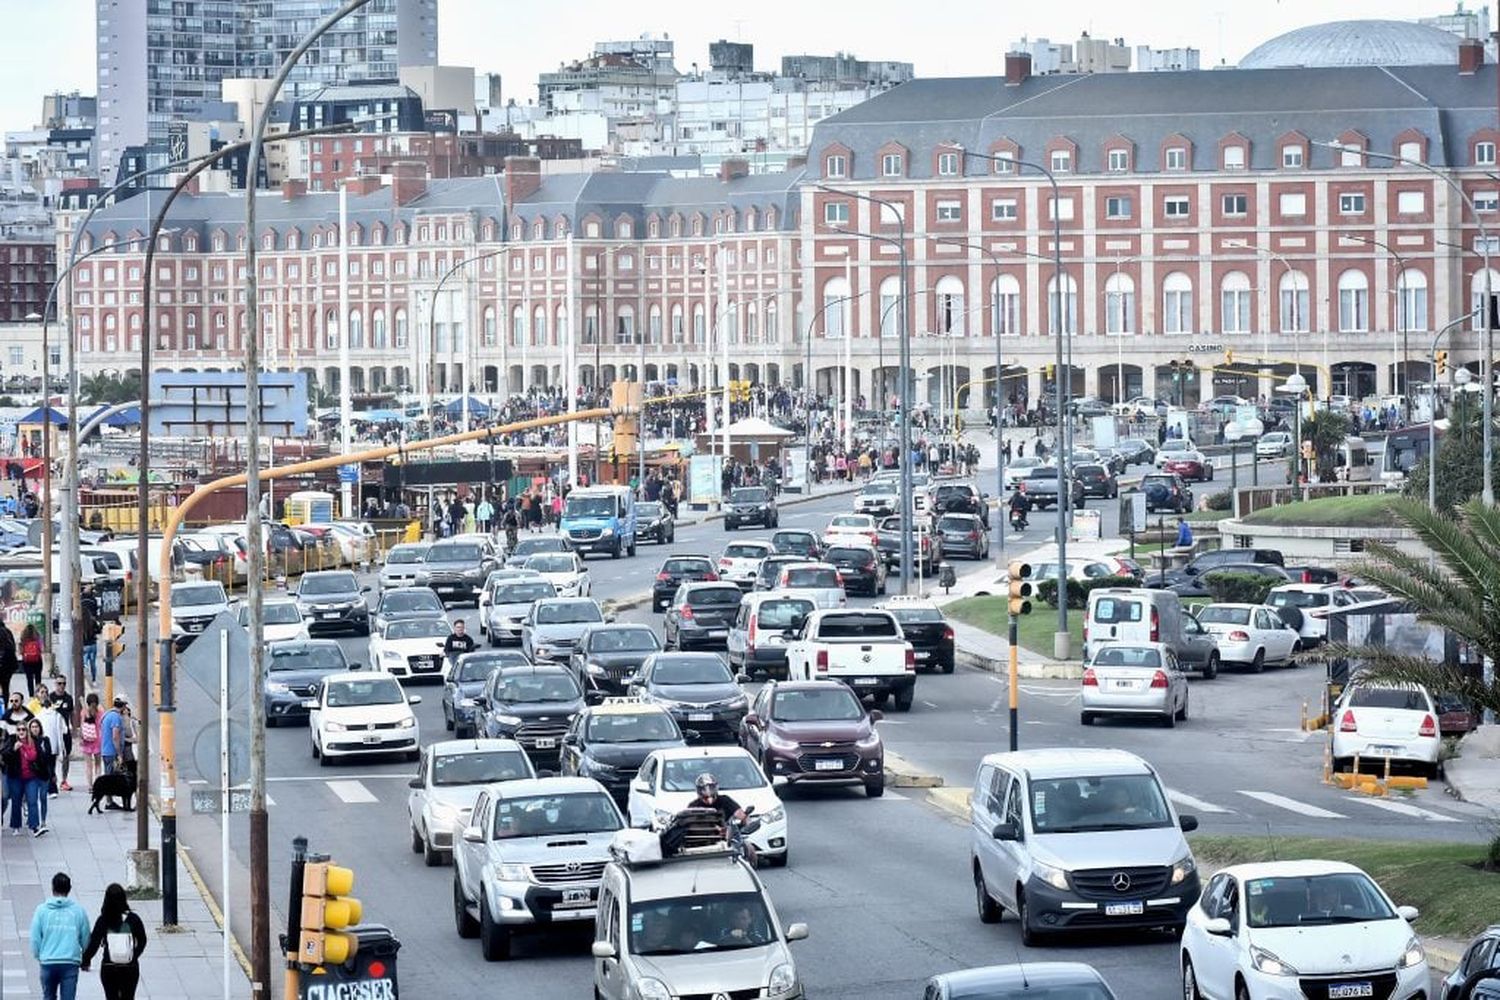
1457 590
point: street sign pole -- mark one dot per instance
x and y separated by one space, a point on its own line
224 791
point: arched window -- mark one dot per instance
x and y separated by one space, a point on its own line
751 323
1062 316
1411 300
1478 290
517 326
1293 292
653 325
402 333
591 324
950 306
1234 303
1354 302
560 326
732 322
1119 304
700 328
539 325
835 300
331 330
377 328
679 333
489 332
1177 303
890 311
1005 305
356 329
773 333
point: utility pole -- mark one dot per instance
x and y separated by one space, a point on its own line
346 397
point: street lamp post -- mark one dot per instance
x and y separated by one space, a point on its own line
1462 377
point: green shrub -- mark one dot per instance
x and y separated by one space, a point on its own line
1227 587
1218 501
1078 590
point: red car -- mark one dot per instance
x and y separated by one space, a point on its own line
1196 469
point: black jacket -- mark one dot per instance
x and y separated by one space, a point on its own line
96 940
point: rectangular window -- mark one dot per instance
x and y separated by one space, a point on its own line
1237 205
1410 151
836 213
1003 164
1411 202
1293 203
1062 161
1352 203
1351 156
1003 210
1177 158
947 164
1060 209
890 165
892 214
1486 201
1484 154
950 211
1291 157
1119 161
1234 157
1118 207
1176 206
836 166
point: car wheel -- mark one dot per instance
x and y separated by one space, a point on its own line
466 925
494 939
323 760
1189 981
779 860
1209 474
447 719
1258 665
875 789
947 665
1029 937
1086 718
416 841
904 698
1212 669
1241 991
728 527
431 856
1182 713
1169 719
990 911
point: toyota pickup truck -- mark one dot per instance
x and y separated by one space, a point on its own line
864 648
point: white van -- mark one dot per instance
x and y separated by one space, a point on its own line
1137 615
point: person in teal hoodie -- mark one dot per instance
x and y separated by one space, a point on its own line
59 933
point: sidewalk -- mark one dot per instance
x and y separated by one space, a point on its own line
184 965
1474 775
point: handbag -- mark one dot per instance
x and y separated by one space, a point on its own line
119 947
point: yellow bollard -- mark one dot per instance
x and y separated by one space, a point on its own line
1302 726
1412 783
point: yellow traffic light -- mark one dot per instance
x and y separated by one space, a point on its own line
114 638
1048 371
1307 451
1442 363
1020 588
327 909
1229 357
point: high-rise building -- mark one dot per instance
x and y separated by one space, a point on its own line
161 61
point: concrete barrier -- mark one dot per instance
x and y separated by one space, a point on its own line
901 773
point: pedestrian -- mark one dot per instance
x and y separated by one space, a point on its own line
16 715
120 936
10 660
59 933
89 739
110 735
88 634
1184 534
31 657
130 735
55 726
25 779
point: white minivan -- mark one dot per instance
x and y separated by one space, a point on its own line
1136 615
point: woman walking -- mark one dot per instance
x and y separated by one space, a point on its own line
88 739
31 658
120 936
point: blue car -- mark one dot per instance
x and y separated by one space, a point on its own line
465 683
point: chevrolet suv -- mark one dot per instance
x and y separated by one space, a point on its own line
750 505
333 601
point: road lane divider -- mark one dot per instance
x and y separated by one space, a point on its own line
901 773
952 801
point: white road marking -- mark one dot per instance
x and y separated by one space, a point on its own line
1184 799
930 704
891 796
352 792
1292 805
313 777
1407 810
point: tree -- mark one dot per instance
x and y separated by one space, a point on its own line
1459 591
1326 430
1459 473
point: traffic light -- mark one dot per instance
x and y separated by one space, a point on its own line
114 640
327 910
1307 451
1020 588
1048 371
1229 357
1442 363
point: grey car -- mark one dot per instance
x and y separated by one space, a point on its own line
465 683
607 654
293 670
402 564
552 627
401 603
535 545
964 534
456 570
510 600
333 600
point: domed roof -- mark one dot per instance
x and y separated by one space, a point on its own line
1356 43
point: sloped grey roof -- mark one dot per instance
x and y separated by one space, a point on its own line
1356 43
640 194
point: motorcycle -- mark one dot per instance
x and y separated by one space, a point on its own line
1017 519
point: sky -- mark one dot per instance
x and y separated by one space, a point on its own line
48 46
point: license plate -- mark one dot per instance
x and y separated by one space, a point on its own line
328 614
828 765
372 737
1337 990
577 897
1123 684
700 717
865 681
1124 909
718 633
923 654
1384 751
546 743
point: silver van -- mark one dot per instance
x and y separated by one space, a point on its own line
1136 615
1078 839
755 644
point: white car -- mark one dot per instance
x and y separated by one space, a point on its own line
1018 469
448 780
842 527
354 545
819 582
1125 678
402 564
411 647
282 619
1285 930
1175 448
564 570
497 578
739 563
1307 605
1277 444
363 712
1376 721
667 783
1250 635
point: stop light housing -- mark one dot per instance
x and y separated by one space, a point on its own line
1229 357
1307 451
1048 371
1441 357
114 638
327 911
1020 587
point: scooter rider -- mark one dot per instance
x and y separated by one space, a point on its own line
1020 506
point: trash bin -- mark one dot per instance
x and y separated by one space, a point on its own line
373 966
946 577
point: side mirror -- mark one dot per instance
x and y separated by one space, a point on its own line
414 783
751 719
1187 823
1219 927
789 633
796 932
1005 831
742 678
571 739
1408 913
480 701
609 618
602 949
414 699
639 785
584 568
876 715
473 835
356 666
631 678
546 774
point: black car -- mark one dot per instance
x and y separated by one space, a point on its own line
293 670
771 567
465 684
609 742
861 567
676 571
960 498
929 633
795 542
1097 480
533 545
533 705
1167 491
607 654
1135 451
700 614
333 601
407 602
1197 586
750 505
456 570
654 522
1206 562
697 688
964 534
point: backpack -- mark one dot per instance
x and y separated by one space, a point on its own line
31 650
88 732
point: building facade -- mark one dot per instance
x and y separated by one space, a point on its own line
27 271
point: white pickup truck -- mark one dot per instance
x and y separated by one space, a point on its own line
864 648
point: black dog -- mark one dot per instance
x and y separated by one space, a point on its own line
117 785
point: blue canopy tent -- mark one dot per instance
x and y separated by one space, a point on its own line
454 410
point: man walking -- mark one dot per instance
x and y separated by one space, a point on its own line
59 933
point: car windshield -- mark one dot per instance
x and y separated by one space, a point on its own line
623 640
338 583
783 613
683 567
410 600
645 727
714 596
1220 615
1175 446
700 923
1089 805
812 579
793 542
1406 699
529 686
1296 599
1127 656
745 550
915 616
191 597
680 774
1335 898
571 613
957 522
275 613
825 704
754 495
418 628
449 769
355 694
704 669
479 666
531 546
471 670
849 521
589 507
555 815
648 511
879 489
325 658
857 625
524 593
454 554
552 562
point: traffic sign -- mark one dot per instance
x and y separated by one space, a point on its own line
210 800
206 752
200 661
349 473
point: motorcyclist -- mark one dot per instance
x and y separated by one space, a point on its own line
511 522
1020 506
708 797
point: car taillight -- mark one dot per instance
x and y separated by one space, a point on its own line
948 633
840 578
822 661
973 536
1307 576
686 613
911 661
711 577
1090 679
725 563
1085 630
1239 635
750 634
1428 727
664 576
1347 723
1155 625
1159 679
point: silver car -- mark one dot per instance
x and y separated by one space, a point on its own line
552 627
402 564
510 600
1134 679
819 582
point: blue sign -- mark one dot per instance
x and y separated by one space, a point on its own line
212 404
349 473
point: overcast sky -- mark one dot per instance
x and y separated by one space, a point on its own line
47 46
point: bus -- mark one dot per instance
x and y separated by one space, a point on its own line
1404 448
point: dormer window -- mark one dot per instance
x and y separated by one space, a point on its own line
891 165
1291 157
1062 161
836 166
1484 154
1119 161
947 164
1177 158
1234 157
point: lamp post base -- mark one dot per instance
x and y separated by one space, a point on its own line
1060 645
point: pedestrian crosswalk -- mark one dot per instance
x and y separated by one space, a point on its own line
1332 806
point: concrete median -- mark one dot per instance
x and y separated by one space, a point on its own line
901 773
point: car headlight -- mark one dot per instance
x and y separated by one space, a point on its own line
1264 961
423 579
783 979
1055 877
390 654
509 872
595 670
335 727
868 742
652 989
775 815
778 743
1183 869
1414 954
444 812
276 687
512 721
606 532
407 723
